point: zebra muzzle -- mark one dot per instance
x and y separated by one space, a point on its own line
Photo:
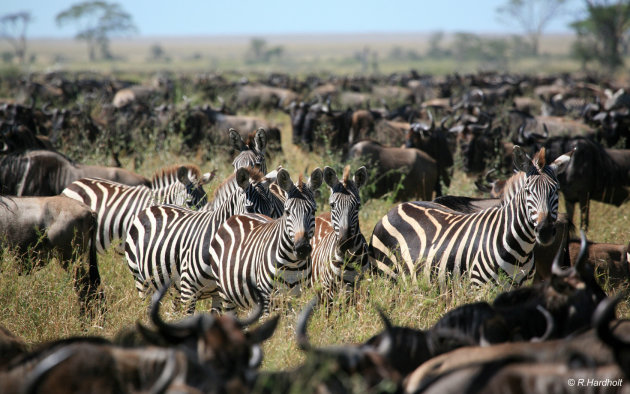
302 248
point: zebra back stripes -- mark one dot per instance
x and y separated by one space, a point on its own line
339 249
485 244
253 250
168 243
115 204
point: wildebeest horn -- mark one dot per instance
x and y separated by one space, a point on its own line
34 378
301 335
583 255
174 332
257 312
550 324
603 315
556 269
387 343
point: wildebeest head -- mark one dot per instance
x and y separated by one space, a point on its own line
299 210
216 340
541 190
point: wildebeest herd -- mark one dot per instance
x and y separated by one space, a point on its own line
526 139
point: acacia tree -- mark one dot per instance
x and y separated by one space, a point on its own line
98 21
532 16
601 33
13 29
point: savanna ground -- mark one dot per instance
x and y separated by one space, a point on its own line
43 305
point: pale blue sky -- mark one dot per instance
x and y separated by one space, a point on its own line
260 17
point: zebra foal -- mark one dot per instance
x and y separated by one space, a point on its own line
255 250
340 252
427 237
116 204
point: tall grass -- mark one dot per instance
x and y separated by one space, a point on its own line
43 305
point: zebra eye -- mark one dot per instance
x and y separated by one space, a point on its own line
332 205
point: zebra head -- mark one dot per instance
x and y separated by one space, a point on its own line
541 190
299 210
344 204
250 156
193 181
255 196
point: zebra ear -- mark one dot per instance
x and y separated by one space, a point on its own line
561 163
522 162
242 177
330 177
237 141
207 177
182 175
260 139
360 177
284 180
316 179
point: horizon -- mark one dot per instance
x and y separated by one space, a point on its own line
283 18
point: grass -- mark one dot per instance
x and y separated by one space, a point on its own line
43 306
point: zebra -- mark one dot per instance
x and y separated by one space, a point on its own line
250 156
254 252
340 251
116 204
498 240
166 243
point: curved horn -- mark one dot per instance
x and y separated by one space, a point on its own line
34 378
603 315
171 332
387 343
550 324
556 269
583 255
257 312
256 358
302 337
432 120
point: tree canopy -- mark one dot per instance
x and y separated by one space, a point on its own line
532 16
13 29
601 32
98 21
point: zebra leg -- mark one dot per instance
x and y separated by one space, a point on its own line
142 286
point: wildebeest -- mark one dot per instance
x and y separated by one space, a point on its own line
594 173
433 142
45 226
407 173
47 173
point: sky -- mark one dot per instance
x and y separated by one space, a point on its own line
282 17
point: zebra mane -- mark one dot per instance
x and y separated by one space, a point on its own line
539 160
254 175
168 175
300 184
512 186
346 175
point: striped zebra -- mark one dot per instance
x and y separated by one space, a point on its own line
115 204
340 252
166 243
254 250
250 156
486 244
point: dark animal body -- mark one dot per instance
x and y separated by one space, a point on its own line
414 170
45 226
47 173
